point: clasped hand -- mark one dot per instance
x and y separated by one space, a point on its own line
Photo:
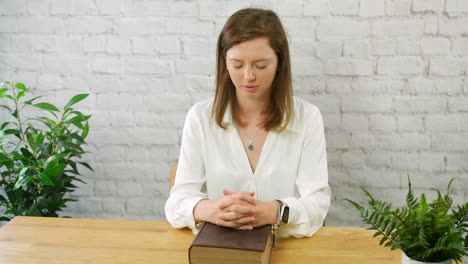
238 210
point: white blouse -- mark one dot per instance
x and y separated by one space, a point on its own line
292 167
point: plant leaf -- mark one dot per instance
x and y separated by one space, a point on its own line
2 91
85 130
358 206
11 132
72 135
77 98
6 107
57 156
47 121
20 94
54 170
4 218
86 165
46 180
23 171
411 201
21 182
75 121
29 102
20 86
47 106
5 124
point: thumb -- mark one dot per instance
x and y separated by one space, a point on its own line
226 192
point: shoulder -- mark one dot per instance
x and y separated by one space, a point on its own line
304 108
305 114
201 110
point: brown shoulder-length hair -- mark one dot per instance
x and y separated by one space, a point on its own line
244 25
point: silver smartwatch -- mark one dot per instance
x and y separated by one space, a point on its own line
283 213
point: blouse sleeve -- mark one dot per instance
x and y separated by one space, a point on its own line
190 176
308 212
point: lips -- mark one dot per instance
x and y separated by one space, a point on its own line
250 88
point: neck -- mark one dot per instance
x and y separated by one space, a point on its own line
251 110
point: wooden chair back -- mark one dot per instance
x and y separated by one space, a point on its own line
172 175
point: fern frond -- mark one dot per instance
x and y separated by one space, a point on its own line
447 197
369 196
360 208
461 217
441 220
444 201
377 205
411 201
422 208
380 217
465 243
449 185
401 215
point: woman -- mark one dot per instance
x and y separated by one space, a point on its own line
253 155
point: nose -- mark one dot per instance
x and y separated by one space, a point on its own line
249 74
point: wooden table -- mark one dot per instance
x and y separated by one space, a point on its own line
69 240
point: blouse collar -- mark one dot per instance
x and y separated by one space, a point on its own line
293 125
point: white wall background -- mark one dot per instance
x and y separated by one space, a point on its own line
390 77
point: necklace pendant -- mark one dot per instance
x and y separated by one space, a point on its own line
250 147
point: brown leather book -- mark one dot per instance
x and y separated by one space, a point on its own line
215 244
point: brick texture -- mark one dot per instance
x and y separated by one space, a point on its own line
390 77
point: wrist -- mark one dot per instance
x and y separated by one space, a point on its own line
201 211
265 213
273 212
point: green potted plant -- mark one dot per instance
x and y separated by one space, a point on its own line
39 156
425 232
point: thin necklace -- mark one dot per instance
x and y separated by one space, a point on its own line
250 147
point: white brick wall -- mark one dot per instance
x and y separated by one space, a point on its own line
390 77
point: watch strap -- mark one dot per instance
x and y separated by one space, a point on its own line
278 221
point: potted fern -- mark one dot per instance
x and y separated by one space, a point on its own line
39 156
425 232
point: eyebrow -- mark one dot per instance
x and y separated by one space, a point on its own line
237 60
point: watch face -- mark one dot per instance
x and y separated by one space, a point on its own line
285 216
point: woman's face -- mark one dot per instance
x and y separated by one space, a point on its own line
252 67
